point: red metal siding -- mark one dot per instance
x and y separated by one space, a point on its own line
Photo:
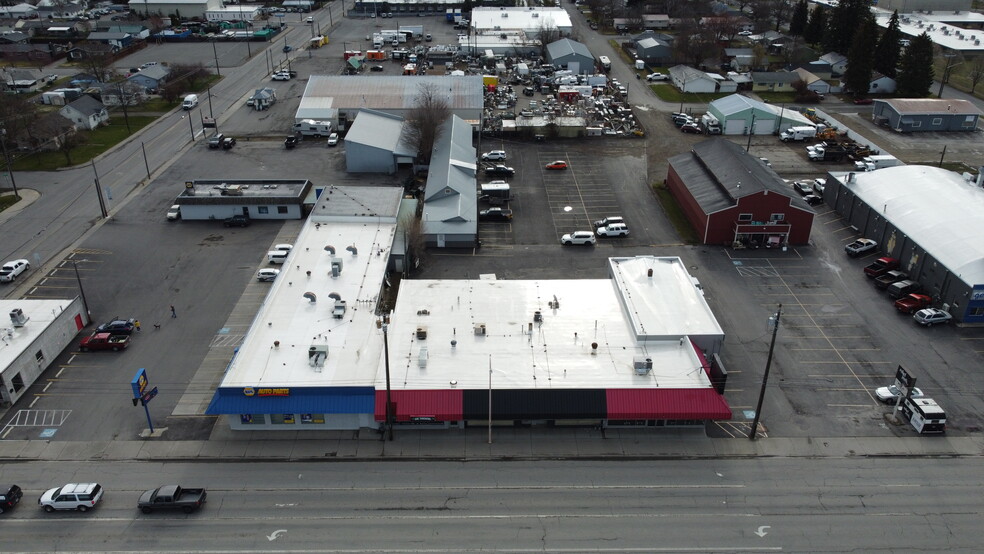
694 213
761 206
666 404
442 405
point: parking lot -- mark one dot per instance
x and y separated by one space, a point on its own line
838 339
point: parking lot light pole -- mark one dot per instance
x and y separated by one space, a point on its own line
78 279
774 321
6 157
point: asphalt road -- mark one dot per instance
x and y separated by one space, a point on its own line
788 505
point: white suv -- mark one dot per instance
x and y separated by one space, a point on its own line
73 496
578 237
613 230
494 156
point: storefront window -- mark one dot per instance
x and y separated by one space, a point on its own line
252 419
312 418
282 419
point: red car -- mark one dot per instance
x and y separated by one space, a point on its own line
559 164
863 101
912 303
691 128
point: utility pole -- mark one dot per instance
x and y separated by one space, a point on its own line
216 54
102 203
386 360
6 157
774 322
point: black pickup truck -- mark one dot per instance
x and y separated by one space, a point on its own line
172 497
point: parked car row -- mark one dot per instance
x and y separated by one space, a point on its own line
83 497
905 293
612 226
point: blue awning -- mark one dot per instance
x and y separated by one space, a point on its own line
293 400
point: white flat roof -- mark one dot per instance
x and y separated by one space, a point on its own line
943 34
41 314
937 208
341 220
557 354
664 305
487 19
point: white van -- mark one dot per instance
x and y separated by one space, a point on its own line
277 256
190 102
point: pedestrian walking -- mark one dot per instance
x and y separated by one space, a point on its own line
136 324
173 313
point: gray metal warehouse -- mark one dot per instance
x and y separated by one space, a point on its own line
908 115
927 217
338 98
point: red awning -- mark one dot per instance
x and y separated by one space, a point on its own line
421 405
666 404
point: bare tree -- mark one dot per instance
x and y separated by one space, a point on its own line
547 33
725 27
100 64
696 44
425 120
17 115
975 72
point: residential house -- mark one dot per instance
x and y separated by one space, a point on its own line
733 199
814 83
151 78
86 112
14 37
688 79
86 50
60 11
22 80
838 63
20 11
118 41
774 81
738 59
881 84
137 31
655 22
36 54
819 68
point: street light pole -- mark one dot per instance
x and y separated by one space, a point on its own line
389 404
78 279
774 321
216 54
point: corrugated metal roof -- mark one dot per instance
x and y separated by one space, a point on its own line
718 172
300 400
666 404
915 106
378 129
442 405
395 92
450 197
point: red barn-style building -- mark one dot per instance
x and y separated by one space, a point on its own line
732 198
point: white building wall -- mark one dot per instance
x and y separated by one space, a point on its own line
222 211
42 351
362 158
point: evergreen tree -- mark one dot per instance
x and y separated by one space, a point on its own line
916 70
861 58
844 23
888 50
815 27
801 14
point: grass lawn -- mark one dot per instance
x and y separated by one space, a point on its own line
669 93
675 215
98 142
156 105
8 200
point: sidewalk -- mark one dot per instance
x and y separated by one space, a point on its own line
472 445
28 196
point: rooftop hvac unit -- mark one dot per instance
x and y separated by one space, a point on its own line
317 354
336 267
422 357
480 329
18 318
642 365
422 333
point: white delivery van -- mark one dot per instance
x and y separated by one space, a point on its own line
277 256
605 62
190 102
